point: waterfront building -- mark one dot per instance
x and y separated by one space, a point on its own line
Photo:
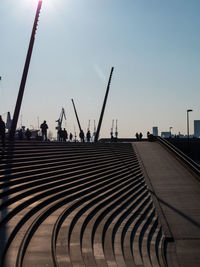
155 131
165 134
197 128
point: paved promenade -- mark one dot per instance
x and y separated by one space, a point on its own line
178 199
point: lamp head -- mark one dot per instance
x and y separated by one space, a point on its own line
189 110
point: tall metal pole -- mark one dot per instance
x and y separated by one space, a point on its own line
103 107
170 131
76 115
25 73
188 133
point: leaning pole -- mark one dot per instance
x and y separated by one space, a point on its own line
25 73
79 125
103 107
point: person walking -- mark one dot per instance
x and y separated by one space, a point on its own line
44 128
64 135
70 137
60 134
82 136
2 131
88 136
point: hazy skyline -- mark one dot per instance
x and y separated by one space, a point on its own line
153 45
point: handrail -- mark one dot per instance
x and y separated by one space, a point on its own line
183 157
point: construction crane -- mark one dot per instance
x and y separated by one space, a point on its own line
75 134
88 126
60 120
111 131
116 130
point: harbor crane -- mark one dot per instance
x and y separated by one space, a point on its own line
60 120
111 131
88 126
116 130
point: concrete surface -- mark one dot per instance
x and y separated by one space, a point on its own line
178 194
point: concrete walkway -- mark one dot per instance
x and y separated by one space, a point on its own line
178 195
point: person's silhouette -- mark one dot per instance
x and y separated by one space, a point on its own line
2 131
70 137
64 135
82 136
88 136
44 128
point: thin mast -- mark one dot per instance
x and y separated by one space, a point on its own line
25 73
103 107
76 115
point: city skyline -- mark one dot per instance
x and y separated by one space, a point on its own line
154 48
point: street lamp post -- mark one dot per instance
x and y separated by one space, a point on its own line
188 131
170 130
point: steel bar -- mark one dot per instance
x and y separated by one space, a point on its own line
103 107
25 73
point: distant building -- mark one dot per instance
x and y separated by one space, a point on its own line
165 134
155 131
197 128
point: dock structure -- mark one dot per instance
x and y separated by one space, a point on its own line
98 204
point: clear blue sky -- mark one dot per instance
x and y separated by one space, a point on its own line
154 46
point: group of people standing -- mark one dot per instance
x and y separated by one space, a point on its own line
28 133
139 136
82 136
63 135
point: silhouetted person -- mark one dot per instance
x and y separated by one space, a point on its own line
148 133
151 138
70 137
140 136
82 136
2 131
88 136
20 134
64 135
137 136
28 134
44 128
60 134
111 137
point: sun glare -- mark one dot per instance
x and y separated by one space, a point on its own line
46 3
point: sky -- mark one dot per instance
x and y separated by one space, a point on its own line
153 45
